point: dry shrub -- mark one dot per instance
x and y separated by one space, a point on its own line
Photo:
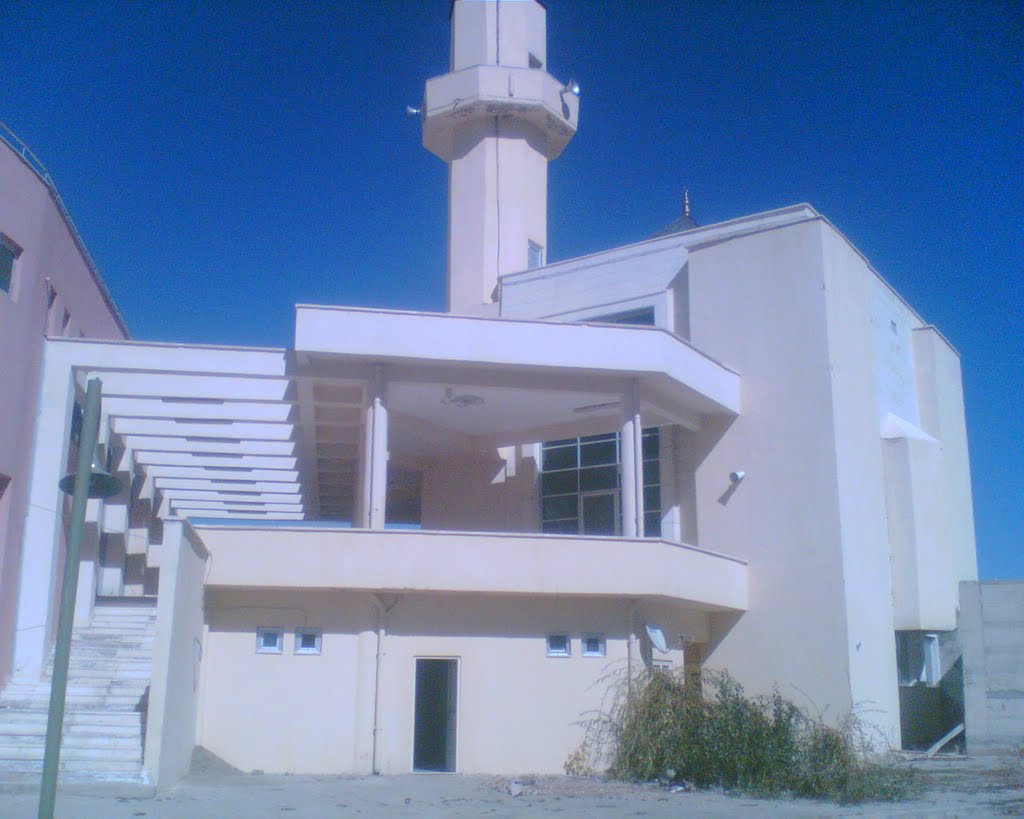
715 736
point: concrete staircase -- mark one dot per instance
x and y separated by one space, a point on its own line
104 719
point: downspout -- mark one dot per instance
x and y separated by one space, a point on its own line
630 641
382 612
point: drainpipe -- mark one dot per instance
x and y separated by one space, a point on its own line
382 612
630 643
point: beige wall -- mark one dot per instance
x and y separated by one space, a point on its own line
758 304
517 708
177 657
485 493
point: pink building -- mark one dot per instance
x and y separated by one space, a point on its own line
422 541
49 287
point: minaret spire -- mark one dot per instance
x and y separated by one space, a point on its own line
497 117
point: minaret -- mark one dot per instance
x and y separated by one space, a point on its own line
496 118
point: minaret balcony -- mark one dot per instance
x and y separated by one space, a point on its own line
454 101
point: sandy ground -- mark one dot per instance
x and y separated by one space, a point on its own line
952 786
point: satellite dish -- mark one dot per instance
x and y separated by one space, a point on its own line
657 637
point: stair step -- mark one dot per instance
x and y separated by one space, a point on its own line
101 753
92 769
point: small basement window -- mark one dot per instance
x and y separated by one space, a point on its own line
593 645
269 640
558 645
308 640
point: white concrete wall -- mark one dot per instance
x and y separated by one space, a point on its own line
860 375
615 281
941 399
177 657
517 708
758 302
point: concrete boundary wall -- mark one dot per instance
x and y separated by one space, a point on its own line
992 634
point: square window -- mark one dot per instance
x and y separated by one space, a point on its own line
269 640
9 252
558 645
593 645
308 640
662 666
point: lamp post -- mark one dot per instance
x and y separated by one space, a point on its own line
83 484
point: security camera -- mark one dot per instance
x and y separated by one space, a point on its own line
737 476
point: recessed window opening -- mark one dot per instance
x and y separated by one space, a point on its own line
593 645
308 640
9 253
534 61
642 317
559 645
534 255
269 640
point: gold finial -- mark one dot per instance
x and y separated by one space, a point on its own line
686 202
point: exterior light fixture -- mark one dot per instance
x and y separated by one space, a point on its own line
461 400
571 87
737 476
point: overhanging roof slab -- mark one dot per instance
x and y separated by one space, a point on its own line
655 357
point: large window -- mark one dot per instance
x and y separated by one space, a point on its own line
9 252
580 485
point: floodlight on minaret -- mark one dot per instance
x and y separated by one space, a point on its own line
497 117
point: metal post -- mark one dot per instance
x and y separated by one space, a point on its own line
69 587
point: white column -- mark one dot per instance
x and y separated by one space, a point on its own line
638 462
378 451
632 476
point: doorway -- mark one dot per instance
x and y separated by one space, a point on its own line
436 707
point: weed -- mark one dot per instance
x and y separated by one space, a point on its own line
661 726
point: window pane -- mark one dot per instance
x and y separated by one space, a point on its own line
602 452
652 524
652 472
7 257
593 439
560 506
599 477
649 442
559 483
560 527
652 498
562 457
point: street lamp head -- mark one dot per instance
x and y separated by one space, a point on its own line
101 483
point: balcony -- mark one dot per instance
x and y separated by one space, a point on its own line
393 560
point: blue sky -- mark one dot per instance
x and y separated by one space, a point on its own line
226 160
